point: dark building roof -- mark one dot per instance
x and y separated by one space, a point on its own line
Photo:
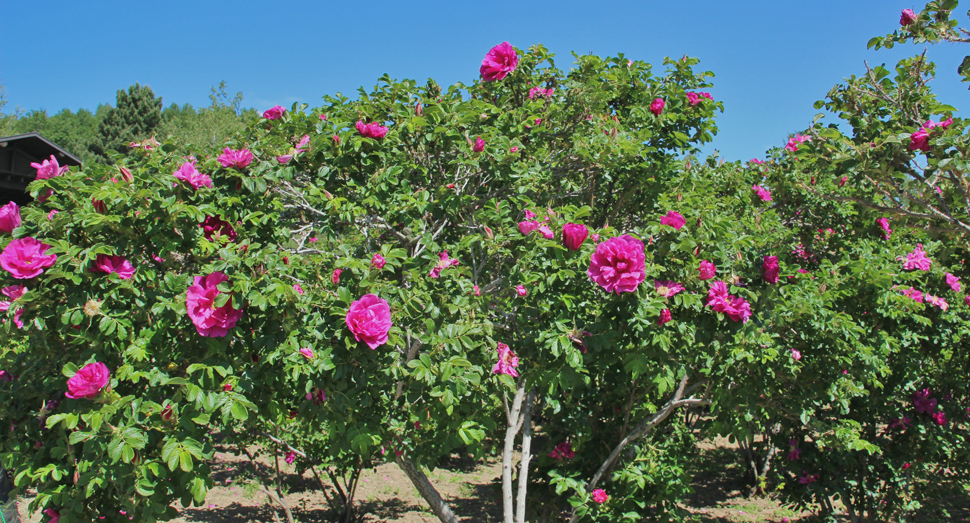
16 154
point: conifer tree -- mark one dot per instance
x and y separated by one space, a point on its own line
135 117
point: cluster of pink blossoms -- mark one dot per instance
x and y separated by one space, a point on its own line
920 140
657 106
695 98
736 308
762 192
539 91
917 259
274 113
883 224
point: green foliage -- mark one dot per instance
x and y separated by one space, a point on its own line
135 117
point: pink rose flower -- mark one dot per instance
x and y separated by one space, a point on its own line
770 269
200 300
297 288
114 264
274 113
953 282
284 159
513 149
88 381
664 317
923 402
913 294
55 516
9 217
528 226
49 169
693 98
939 302
215 227
335 276
843 180
317 396
920 140
806 478
24 258
369 320
307 353
796 354
443 263
499 62
507 361
883 224
479 145
657 106
666 288
795 452
907 17
618 264
14 292
563 451
792 144
232 158
763 193
939 417
600 496
755 161
573 235
707 270
736 308
476 290
546 232
378 261
917 259
521 290
190 175
673 219
371 130
290 457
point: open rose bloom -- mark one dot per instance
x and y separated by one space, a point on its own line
618 264
114 264
200 300
499 62
369 320
232 158
507 361
88 381
371 130
192 177
24 258
9 217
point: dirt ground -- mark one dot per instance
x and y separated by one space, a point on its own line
384 494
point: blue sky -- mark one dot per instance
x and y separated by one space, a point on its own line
772 60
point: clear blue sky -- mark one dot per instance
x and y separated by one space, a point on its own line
772 60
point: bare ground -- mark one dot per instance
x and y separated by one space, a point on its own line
473 489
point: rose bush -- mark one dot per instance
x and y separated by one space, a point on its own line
395 290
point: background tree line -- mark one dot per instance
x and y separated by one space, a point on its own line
136 115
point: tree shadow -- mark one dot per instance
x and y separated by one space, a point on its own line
479 503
